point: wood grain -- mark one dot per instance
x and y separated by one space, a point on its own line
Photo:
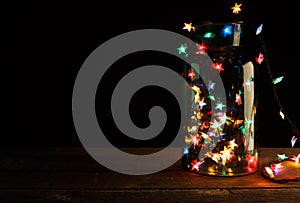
72 175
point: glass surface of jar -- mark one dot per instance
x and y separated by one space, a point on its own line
221 139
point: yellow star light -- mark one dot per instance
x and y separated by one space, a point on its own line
236 8
188 26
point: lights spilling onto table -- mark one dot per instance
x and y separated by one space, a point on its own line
284 169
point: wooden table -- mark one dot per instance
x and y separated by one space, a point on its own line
71 175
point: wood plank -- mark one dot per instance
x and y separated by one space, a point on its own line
77 159
75 169
113 180
72 175
155 195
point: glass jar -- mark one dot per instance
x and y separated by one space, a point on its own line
221 138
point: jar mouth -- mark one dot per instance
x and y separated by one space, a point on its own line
226 39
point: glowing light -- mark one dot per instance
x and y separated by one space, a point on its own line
282 156
188 26
212 97
277 80
202 103
188 140
238 99
211 170
232 144
211 85
247 122
216 157
227 30
293 140
259 29
219 106
252 162
195 166
296 159
227 153
185 151
196 89
216 125
182 49
197 95
248 84
218 67
206 136
192 129
277 167
260 58
281 114
195 140
209 35
201 48
191 74
236 8
199 115
270 172
235 122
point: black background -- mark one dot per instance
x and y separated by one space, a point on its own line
51 41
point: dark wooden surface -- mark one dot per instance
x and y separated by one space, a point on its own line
71 175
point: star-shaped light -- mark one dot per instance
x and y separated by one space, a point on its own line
227 153
277 80
282 156
212 97
195 165
236 8
260 58
191 74
206 137
218 67
202 103
211 85
216 157
293 140
182 49
197 95
232 144
186 150
259 29
201 48
248 122
296 159
196 89
220 106
281 114
227 30
238 99
216 125
209 35
188 26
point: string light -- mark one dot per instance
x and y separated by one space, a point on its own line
294 129
236 8
284 169
225 159
188 26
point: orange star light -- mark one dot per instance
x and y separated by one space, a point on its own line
236 8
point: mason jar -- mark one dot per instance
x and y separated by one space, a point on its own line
221 137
